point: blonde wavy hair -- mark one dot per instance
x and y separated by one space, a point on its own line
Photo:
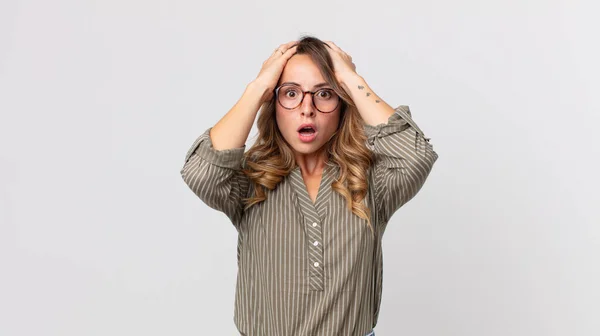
271 159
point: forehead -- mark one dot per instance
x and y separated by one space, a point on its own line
302 70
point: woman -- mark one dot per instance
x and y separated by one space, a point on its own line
312 197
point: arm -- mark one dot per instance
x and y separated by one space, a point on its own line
215 176
403 160
403 156
233 129
212 168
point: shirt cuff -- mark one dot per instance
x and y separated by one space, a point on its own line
397 122
227 158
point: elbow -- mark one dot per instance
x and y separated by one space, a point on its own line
425 154
192 175
185 172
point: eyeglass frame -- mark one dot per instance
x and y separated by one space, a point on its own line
276 91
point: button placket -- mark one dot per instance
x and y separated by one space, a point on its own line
315 254
314 214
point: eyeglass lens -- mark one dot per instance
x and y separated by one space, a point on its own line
290 96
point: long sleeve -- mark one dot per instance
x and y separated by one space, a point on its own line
403 160
216 177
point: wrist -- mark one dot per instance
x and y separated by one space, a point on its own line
350 78
257 85
258 88
351 82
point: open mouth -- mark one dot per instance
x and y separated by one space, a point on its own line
308 130
307 133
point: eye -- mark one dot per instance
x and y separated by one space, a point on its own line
290 92
325 94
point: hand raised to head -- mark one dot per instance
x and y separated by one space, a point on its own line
342 62
273 67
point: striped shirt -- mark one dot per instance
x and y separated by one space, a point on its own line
304 268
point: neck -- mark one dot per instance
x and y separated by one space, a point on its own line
312 163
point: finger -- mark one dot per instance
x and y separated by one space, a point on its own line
274 54
334 49
278 52
345 54
338 49
286 55
284 47
333 46
291 44
290 52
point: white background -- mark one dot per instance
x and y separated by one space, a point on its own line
100 101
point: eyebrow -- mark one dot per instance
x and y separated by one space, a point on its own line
314 87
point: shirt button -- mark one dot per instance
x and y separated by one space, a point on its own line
316 243
316 264
314 224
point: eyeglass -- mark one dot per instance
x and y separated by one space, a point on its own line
291 96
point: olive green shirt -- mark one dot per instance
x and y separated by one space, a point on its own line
304 268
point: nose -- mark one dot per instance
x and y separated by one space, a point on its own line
307 107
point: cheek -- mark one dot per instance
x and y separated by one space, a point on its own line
283 122
332 124
278 118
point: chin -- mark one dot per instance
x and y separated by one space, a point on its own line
307 148
303 147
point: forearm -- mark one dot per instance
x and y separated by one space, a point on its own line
233 129
371 107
